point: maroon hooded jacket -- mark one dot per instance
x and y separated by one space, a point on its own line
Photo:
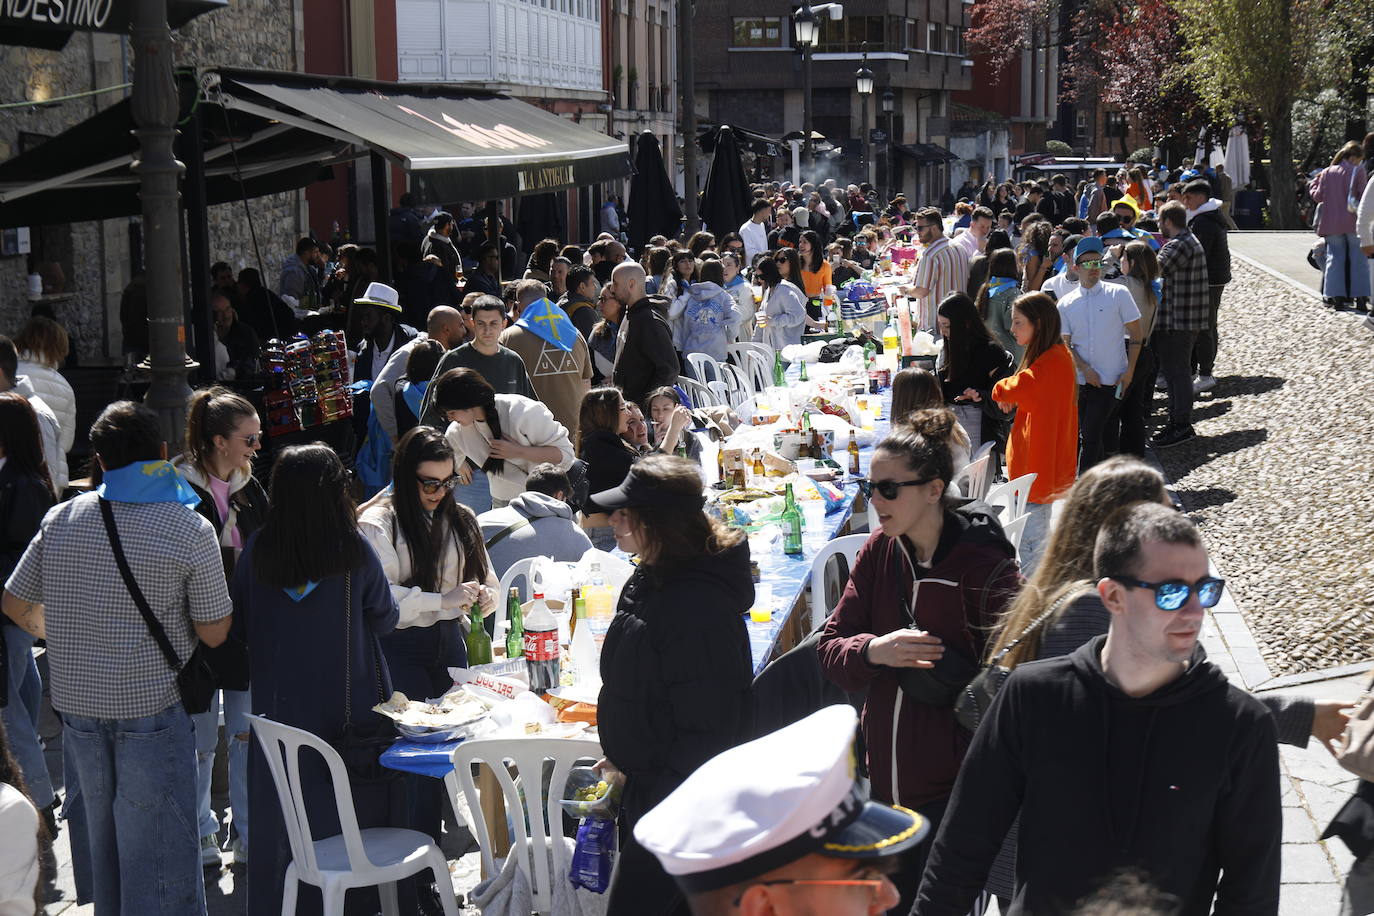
914 749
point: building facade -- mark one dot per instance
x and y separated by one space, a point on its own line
641 75
87 265
750 73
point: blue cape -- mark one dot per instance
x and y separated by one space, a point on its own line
148 482
550 322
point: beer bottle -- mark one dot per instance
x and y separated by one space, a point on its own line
478 642
853 453
515 627
759 469
801 372
779 375
791 525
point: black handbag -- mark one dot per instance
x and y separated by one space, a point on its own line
196 679
360 750
975 699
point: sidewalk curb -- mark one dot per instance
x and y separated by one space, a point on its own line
1305 290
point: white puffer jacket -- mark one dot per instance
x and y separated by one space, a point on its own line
55 391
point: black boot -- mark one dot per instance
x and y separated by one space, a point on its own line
1362 305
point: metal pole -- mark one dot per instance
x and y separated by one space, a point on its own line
687 77
198 243
154 106
381 211
867 150
806 109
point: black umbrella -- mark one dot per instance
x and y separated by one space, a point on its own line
725 200
653 208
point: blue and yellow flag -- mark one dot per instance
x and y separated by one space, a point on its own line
550 322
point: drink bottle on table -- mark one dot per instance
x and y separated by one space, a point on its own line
478 642
515 626
542 660
791 525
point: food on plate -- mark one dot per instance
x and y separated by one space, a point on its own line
454 708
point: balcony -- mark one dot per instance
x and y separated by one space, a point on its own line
545 44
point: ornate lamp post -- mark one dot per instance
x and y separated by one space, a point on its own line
889 102
807 32
863 82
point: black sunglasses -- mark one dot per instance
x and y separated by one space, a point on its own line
432 485
1172 595
887 489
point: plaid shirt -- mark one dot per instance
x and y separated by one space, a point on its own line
1183 305
103 661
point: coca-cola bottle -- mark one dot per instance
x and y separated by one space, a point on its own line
541 646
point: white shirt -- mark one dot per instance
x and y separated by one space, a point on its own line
1060 284
1095 322
971 243
755 237
523 421
18 852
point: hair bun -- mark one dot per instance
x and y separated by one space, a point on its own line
934 423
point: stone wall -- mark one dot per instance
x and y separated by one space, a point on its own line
95 257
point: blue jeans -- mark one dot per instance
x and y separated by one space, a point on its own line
1034 536
21 715
1346 275
236 711
138 802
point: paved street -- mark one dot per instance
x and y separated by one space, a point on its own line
1283 253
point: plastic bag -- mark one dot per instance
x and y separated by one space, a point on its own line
594 854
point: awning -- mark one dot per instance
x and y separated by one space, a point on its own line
925 153
281 131
458 144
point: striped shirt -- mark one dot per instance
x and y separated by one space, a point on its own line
1184 300
942 269
103 661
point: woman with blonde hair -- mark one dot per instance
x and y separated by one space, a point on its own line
43 346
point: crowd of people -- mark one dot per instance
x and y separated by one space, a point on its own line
542 416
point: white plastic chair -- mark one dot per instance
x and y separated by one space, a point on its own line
736 384
701 395
758 373
984 450
848 547
543 815
1012 495
720 392
1014 529
973 480
703 367
736 351
378 856
520 569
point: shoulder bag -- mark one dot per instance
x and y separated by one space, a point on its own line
361 750
977 696
1356 752
195 679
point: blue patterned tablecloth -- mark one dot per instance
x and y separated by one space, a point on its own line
790 576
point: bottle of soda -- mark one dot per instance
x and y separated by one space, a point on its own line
478 642
515 626
541 646
791 525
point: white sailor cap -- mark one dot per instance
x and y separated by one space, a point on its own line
773 800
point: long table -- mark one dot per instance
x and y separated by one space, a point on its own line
790 576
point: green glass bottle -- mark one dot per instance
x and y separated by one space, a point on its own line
479 643
801 373
515 626
791 525
779 375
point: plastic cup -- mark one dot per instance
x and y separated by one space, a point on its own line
762 611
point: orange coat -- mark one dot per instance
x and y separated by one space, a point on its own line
1044 437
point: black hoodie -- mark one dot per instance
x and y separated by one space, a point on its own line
1182 784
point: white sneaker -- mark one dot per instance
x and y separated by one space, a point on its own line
1204 383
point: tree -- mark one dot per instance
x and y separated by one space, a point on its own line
1261 55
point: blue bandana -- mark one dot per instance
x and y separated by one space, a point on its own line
550 322
148 482
299 592
1000 284
414 395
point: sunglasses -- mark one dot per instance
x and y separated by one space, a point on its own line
1090 265
1172 595
887 489
432 485
252 439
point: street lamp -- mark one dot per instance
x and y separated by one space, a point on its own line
888 102
863 82
808 32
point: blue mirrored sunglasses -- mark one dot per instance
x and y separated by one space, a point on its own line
1172 595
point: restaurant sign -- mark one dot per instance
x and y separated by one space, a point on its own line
540 179
91 15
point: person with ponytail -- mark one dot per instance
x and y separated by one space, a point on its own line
503 434
432 553
223 434
26 494
912 624
1044 435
